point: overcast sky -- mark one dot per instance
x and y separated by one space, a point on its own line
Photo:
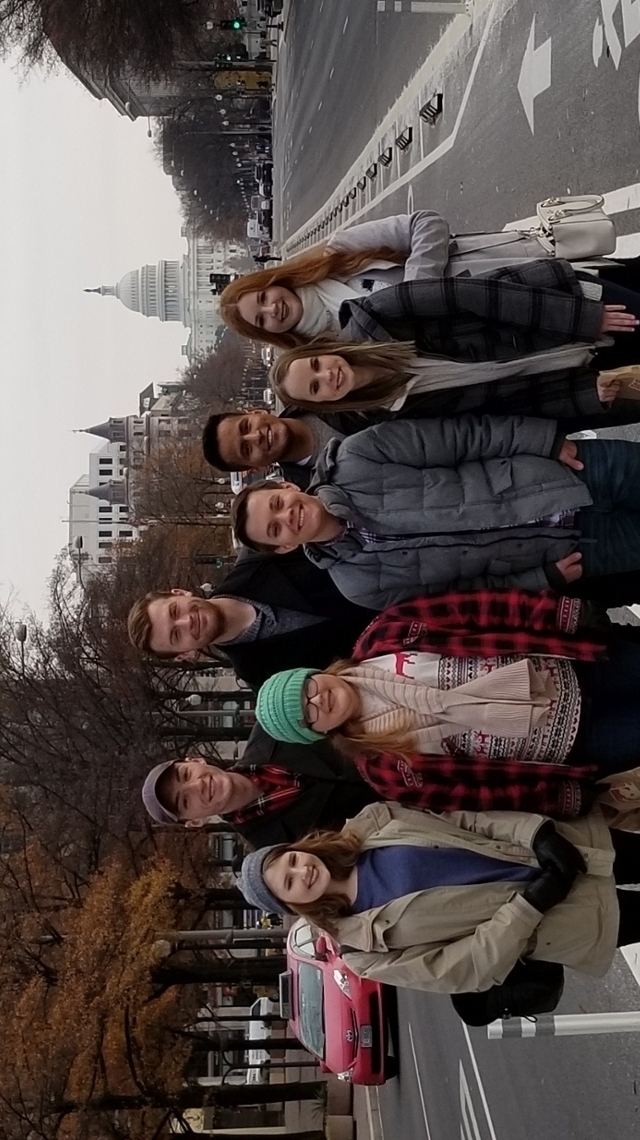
83 201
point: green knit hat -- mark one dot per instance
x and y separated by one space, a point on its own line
279 707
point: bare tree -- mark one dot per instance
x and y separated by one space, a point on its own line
110 37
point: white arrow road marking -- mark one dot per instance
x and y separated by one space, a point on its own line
469 1127
613 39
535 73
630 20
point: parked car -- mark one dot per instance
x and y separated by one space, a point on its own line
259 1031
257 230
337 1016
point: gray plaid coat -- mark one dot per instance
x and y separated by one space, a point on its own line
513 312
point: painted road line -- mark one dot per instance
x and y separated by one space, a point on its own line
535 73
419 1080
483 1095
404 112
469 1122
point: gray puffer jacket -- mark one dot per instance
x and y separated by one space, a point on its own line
436 495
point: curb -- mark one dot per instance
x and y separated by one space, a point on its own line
366 1113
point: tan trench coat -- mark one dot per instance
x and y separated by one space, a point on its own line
458 939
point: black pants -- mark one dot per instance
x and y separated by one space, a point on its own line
610 590
620 286
626 869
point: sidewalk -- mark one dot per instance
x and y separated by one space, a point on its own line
366 1113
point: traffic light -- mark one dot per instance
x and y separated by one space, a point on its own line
235 25
219 281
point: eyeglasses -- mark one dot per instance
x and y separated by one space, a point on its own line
311 712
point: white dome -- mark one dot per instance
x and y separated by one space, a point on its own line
153 290
128 289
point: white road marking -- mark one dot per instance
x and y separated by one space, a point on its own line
419 1080
469 1127
630 20
344 26
476 1072
535 73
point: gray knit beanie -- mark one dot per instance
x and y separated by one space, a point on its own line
253 886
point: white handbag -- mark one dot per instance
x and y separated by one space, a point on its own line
575 228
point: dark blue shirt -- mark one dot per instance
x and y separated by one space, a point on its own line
387 873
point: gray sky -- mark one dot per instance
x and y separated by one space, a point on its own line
83 201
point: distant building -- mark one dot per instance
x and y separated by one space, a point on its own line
132 96
180 290
102 503
99 512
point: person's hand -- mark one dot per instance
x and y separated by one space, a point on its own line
546 890
569 455
616 319
608 387
571 566
555 853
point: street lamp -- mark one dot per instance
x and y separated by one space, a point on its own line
22 634
79 543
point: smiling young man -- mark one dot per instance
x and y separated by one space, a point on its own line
268 614
256 439
425 506
275 793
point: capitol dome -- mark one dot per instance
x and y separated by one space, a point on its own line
153 290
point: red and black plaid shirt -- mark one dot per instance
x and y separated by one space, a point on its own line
487 623
277 787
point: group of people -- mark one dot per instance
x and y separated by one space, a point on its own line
420 606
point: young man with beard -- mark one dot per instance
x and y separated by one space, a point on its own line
269 614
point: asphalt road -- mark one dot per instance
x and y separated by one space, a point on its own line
349 80
457 1085
344 68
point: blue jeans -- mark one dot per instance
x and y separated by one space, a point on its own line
609 733
610 529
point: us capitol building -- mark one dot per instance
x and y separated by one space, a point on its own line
181 290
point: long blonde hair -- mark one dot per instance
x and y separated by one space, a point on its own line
352 739
305 269
394 356
339 851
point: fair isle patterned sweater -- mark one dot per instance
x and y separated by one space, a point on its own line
550 739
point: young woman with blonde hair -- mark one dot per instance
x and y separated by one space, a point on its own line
328 375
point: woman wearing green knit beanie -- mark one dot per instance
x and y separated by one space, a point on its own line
301 706
280 707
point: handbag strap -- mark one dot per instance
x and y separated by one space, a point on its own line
517 236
